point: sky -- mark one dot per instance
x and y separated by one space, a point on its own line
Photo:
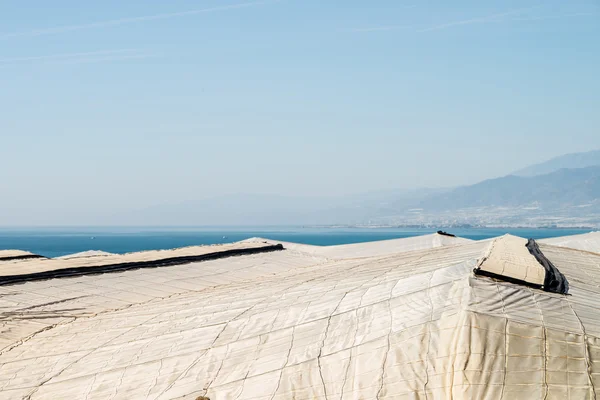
112 105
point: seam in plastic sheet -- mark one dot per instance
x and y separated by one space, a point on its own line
587 351
544 337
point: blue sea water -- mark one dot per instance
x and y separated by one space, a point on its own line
55 242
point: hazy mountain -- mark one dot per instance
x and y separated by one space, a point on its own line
267 209
575 160
565 187
563 193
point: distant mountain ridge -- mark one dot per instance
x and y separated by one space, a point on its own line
569 161
565 187
565 195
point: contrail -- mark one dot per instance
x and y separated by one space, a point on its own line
122 21
475 20
78 58
489 18
383 28
91 60
542 17
63 56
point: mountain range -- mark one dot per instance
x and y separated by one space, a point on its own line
564 191
560 188
569 161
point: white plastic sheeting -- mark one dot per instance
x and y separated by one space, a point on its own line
11 256
509 257
89 253
14 253
283 325
587 242
373 249
33 266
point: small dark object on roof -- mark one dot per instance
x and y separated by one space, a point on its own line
445 234
202 398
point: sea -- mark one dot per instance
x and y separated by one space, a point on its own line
56 242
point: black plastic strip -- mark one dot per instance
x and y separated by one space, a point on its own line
554 281
22 257
479 271
166 262
445 234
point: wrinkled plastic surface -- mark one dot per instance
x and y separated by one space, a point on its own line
283 325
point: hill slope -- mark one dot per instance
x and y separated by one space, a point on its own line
575 160
562 188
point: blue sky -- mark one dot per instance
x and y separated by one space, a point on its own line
112 104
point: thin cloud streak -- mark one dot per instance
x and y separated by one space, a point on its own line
543 17
78 58
122 21
63 56
488 18
91 60
383 28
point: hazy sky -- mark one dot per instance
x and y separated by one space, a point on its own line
113 104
